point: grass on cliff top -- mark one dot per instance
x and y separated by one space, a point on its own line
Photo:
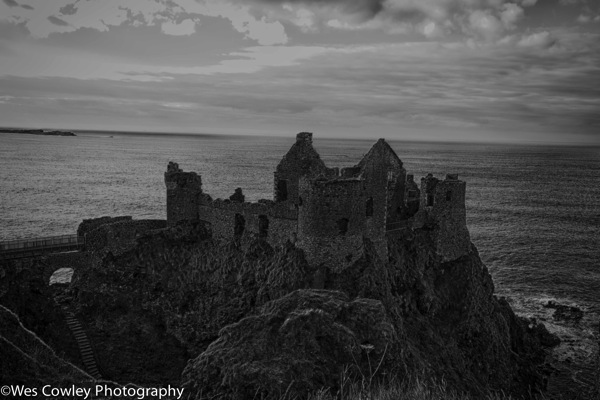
397 390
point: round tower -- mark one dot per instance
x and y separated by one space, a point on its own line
331 220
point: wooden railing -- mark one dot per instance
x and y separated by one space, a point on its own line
30 247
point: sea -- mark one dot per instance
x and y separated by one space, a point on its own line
533 211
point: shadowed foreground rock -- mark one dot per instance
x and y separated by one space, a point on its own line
297 344
27 360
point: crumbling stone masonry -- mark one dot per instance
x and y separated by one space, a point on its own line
183 194
327 211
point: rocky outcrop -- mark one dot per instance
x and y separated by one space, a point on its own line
38 132
244 311
296 344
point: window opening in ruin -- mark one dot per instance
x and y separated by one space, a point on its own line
412 194
282 190
370 207
240 225
448 195
263 226
429 200
343 225
299 200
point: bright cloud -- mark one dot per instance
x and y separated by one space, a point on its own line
66 16
186 27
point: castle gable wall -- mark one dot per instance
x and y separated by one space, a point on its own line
301 160
384 177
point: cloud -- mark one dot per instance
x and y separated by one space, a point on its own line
173 16
57 21
185 28
384 88
528 3
480 19
542 40
485 25
69 9
26 7
263 20
584 19
511 14
263 30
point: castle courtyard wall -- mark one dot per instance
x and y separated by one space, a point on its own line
221 214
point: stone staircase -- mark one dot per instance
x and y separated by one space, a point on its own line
85 347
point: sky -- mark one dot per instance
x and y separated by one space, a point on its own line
450 70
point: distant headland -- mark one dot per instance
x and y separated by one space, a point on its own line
37 132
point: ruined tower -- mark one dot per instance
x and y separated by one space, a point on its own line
331 220
443 208
183 194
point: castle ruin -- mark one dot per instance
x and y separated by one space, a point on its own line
328 212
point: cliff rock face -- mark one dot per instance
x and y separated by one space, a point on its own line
152 308
249 321
27 360
24 290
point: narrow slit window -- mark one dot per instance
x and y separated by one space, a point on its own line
282 190
369 208
263 226
240 225
429 200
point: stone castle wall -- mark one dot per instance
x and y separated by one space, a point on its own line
275 222
332 220
89 225
314 204
120 236
301 160
183 194
443 208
